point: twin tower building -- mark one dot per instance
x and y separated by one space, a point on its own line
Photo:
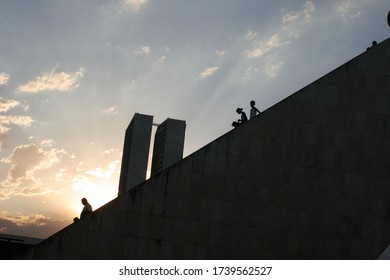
167 150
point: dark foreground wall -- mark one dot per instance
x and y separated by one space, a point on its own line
308 179
12 244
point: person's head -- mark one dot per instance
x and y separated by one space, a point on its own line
84 201
374 43
239 110
252 103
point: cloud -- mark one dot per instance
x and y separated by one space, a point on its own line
61 174
249 73
162 59
84 183
347 10
106 174
208 72
26 187
7 121
117 9
109 152
250 35
26 161
293 16
60 81
143 50
295 21
110 110
265 46
268 48
26 220
291 27
220 52
5 126
90 180
4 77
131 5
98 183
272 68
31 225
24 158
6 105
47 143
52 156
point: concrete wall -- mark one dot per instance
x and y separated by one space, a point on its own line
307 179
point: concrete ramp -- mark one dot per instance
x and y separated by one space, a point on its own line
307 179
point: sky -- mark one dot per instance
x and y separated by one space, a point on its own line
73 73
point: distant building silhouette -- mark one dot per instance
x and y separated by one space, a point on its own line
168 149
168 144
135 152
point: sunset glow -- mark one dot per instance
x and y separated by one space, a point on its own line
73 73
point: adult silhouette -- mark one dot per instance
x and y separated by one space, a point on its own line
87 209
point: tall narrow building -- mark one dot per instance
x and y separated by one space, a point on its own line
168 144
135 152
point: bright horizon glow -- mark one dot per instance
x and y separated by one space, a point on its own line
73 73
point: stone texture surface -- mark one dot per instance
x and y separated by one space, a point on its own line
307 179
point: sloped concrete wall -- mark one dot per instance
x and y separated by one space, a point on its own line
307 179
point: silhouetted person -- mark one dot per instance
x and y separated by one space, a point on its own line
242 120
87 209
76 219
374 43
254 111
235 124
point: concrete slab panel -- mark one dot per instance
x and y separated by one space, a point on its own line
151 227
166 250
203 236
92 248
105 245
210 163
159 203
130 201
220 235
132 224
171 205
222 159
117 248
233 143
147 202
180 233
142 251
